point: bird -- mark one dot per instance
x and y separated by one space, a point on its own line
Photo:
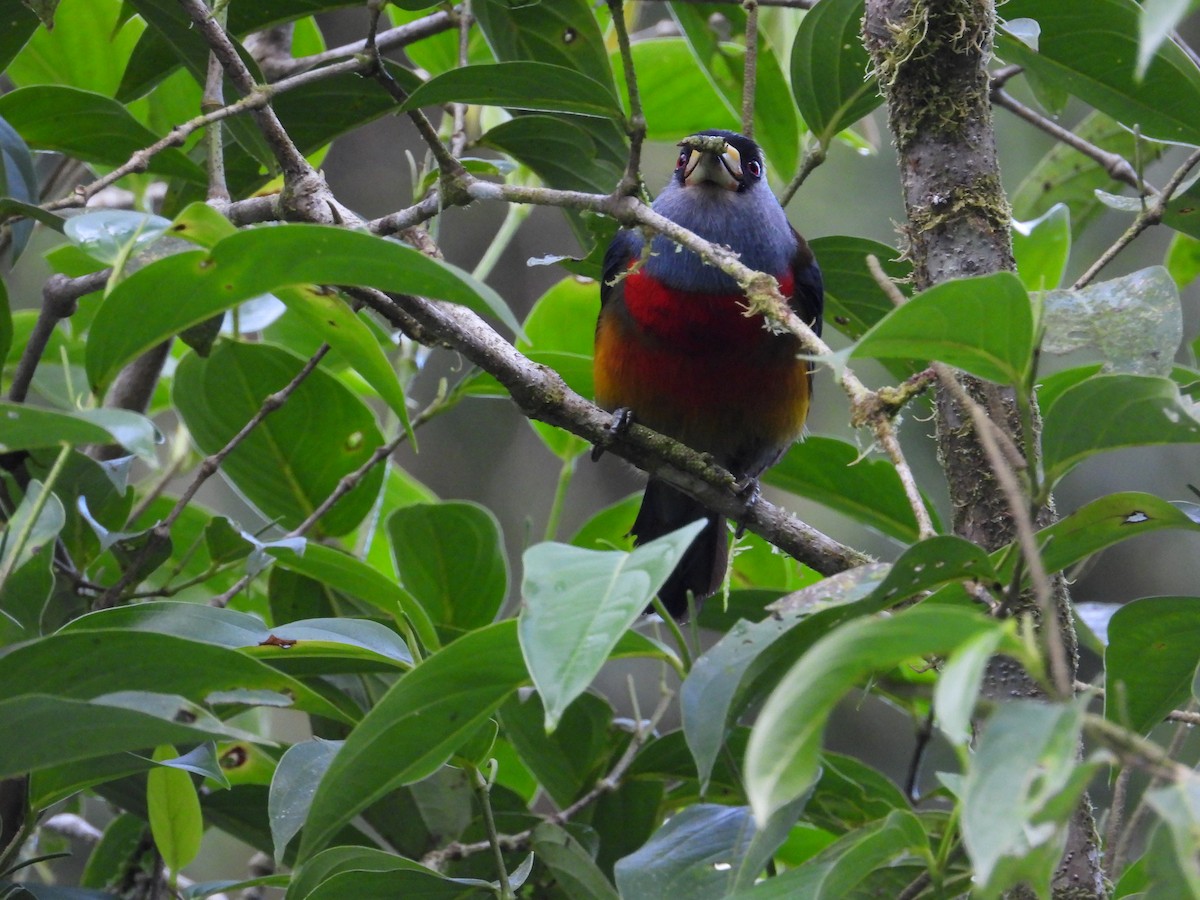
676 351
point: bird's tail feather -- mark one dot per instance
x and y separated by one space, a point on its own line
702 569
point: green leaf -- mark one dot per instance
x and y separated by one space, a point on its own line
835 474
296 777
1064 175
747 661
99 660
1019 792
853 300
519 85
1183 259
572 866
51 518
369 874
567 762
1159 18
932 563
1041 248
563 33
303 647
343 572
260 261
59 729
415 727
87 126
957 688
578 603
1151 659
677 97
703 851
19 186
1134 323
830 69
20 23
782 757
841 867
1178 806
982 325
113 236
296 456
561 152
1090 47
328 316
1104 522
1183 212
27 428
1138 411
174 811
86 48
450 557
110 857
560 330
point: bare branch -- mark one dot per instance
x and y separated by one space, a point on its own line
290 159
393 38
60 296
1150 214
750 70
1113 163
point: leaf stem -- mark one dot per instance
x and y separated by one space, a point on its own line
565 474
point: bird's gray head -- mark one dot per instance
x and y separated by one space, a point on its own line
719 190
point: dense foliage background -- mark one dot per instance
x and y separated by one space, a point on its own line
292 599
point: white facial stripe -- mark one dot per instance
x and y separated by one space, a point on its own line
732 160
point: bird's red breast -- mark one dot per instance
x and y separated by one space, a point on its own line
696 367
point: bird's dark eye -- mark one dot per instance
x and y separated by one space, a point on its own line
684 156
754 167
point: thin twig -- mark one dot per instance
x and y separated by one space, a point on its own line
1186 716
635 127
609 783
1116 816
750 69
1150 214
1018 503
1113 163
458 139
1133 824
212 100
811 160
393 38
207 468
289 157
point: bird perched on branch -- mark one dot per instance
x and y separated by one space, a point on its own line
676 351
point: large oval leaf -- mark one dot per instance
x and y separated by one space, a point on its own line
520 85
294 459
183 290
982 325
1150 664
87 126
1108 412
829 69
1090 48
427 715
782 757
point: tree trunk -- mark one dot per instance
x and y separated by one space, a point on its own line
931 58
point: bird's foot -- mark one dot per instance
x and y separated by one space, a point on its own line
749 490
622 418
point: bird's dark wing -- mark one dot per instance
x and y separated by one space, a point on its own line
625 247
808 288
